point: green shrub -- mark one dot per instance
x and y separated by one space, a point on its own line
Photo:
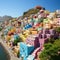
17 40
51 51
0 28
57 29
18 54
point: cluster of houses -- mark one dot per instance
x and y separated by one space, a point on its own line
33 31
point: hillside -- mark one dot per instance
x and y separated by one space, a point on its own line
4 18
32 11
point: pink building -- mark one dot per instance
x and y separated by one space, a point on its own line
33 40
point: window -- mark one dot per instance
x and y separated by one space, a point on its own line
40 36
47 31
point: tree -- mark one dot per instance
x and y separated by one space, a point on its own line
51 51
0 28
18 39
30 12
57 29
18 54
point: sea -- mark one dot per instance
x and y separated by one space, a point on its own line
3 53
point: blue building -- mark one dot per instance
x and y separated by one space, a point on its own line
25 50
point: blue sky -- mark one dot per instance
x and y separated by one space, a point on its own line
16 8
